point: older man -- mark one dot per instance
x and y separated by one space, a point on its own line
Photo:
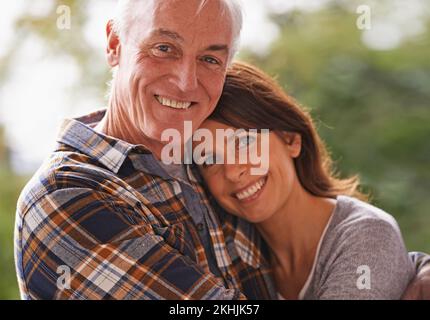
104 218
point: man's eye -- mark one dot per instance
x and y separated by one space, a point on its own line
211 60
164 48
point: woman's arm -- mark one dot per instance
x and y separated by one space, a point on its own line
370 262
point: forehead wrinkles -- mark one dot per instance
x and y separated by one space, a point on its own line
196 17
196 6
220 7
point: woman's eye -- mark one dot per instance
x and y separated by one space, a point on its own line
207 163
211 160
245 141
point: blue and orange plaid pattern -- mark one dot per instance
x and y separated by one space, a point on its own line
125 233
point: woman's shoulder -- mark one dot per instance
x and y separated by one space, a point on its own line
361 227
351 214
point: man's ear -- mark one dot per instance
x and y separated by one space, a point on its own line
113 49
293 142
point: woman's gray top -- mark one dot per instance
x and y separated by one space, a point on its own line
361 255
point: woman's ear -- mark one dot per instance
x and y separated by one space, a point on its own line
295 146
113 46
293 142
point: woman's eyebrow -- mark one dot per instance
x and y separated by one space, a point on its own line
235 135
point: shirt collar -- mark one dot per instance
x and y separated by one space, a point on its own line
149 164
79 134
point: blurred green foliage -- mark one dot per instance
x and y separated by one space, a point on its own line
372 109
10 187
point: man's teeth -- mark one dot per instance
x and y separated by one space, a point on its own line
173 103
251 190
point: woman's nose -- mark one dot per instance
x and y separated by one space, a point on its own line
234 172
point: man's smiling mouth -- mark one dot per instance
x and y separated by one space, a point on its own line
173 103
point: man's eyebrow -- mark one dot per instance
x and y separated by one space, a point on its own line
167 33
175 36
218 47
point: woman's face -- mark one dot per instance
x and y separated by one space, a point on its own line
252 197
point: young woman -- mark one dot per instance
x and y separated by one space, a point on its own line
325 241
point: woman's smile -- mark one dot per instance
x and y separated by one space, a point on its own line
250 193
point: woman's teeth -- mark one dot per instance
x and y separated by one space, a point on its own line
251 190
173 103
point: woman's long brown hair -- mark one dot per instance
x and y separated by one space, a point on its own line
253 100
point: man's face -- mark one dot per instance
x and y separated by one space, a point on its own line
172 65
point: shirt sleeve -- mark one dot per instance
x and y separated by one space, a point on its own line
370 262
85 244
420 260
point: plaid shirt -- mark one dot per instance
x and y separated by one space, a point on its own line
94 223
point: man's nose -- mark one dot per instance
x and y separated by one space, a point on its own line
186 75
235 172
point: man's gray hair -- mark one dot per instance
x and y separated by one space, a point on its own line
129 10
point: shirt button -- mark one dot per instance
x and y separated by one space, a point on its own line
200 227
